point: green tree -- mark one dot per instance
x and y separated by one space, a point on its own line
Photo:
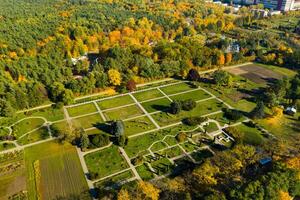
6 110
259 111
117 128
84 141
175 107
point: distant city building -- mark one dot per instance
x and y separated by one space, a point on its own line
281 5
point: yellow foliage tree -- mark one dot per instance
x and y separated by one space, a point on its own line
123 195
221 59
114 77
206 174
228 58
148 190
284 195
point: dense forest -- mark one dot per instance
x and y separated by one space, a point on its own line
57 49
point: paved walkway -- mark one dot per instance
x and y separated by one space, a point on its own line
124 154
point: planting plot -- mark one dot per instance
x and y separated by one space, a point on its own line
138 125
27 125
60 169
60 126
139 145
171 141
157 105
256 73
195 95
180 87
172 152
109 182
144 172
115 102
188 147
99 165
162 166
123 113
87 121
202 108
82 109
38 135
146 95
158 146
50 113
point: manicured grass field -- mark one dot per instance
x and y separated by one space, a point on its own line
61 172
61 126
27 125
40 134
115 102
202 108
51 114
251 135
146 95
173 89
157 105
195 95
87 121
123 113
158 146
171 141
82 109
105 162
138 125
144 172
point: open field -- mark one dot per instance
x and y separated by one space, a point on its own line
157 105
61 173
173 89
27 125
38 135
194 95
138 125
251 135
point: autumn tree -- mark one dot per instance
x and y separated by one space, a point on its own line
131 85
228 58
114 77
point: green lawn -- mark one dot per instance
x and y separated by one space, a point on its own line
162 166
113 180
173 89
51 114
61 126
27 125
145 172
251 135
171 141
6 146
82 109
202 108
211 127
59 166
105 162
115 102
188 147
158 146
172 152
123 113
38 135
195 95
157 105
138 145
87 121
146 95
138 125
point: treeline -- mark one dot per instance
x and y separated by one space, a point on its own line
132 41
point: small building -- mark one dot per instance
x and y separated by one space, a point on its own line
265 161
290 110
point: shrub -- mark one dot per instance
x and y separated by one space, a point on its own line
193 75
181 137
193 121
175 107
188 104
233 114
99 140
122 141
137 160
